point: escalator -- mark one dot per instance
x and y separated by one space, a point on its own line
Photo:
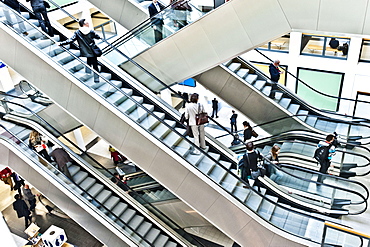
253 87
116 207
151 137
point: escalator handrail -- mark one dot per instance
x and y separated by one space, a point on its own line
80 188
266 198
96 162
310 87
321 183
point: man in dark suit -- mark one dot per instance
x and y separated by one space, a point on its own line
157 20
22 210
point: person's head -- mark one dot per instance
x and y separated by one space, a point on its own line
194 98
26 186
83 22
233 111
249 146
275 150
332 39
276 62
246 124
17 197
154 1
116 175
330 138
34 134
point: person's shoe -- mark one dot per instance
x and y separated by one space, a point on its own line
216 116
25 33
246 187
195 152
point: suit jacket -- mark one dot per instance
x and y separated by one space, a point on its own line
274 73
21 208
153 11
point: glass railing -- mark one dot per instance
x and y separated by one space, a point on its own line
218 171
148 34
93 164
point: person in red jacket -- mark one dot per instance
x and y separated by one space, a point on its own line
116 156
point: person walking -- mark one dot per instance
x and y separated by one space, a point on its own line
191 110
63 160
14 4
233 121
274 76
31 198
327 152
39 9
22 210
85 39
156 19
214 107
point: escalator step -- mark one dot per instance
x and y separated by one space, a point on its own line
161 241
136 221
152 235
95 189
103 196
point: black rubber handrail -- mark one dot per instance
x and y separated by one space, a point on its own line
97 163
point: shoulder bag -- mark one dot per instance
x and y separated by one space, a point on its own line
96 50
254 133
201 117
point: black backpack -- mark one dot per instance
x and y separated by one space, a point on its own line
322 153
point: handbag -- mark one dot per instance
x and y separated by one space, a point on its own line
40 147
254 133
96 50
201 118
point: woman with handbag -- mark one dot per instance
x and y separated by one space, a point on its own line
37 143
85 39
193 111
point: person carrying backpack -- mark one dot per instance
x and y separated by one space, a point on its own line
324 153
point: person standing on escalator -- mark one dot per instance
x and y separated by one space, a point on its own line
39 9
156 19
192 109
274 76
85 39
